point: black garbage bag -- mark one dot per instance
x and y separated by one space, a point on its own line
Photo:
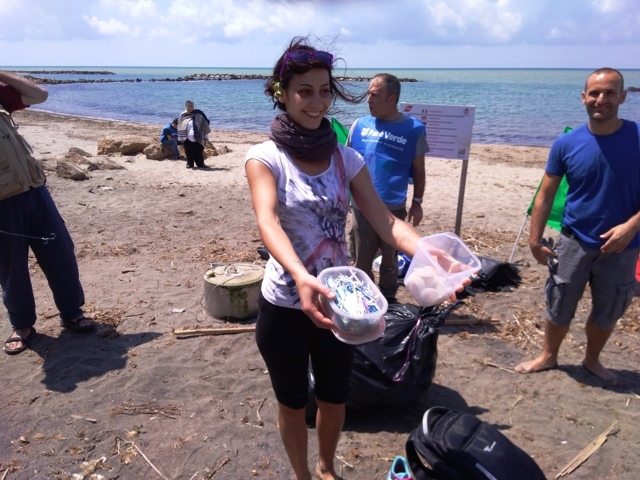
399 367
494 276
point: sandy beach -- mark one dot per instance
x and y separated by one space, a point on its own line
135 402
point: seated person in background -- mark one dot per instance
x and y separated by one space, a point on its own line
169 137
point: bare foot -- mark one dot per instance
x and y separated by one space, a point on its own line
604 374
326 475
539 364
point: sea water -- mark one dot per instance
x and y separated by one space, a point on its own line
513 106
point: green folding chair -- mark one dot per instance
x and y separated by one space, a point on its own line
557 209
341 131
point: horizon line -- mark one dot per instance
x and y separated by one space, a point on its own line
268 68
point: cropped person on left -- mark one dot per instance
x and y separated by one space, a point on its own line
30 220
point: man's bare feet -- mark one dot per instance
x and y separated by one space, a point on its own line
540 364
604 374
326 475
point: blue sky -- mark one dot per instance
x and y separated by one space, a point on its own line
367 34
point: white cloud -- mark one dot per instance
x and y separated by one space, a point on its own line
607 6
132 8
109 27
379 29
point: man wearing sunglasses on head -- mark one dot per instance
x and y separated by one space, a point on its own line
393 146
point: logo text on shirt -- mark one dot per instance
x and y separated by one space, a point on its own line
372 132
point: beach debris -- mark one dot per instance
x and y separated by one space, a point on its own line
89 468
147 408
470 321
132 445
194 332
588 450
493 365
78 417
178 310
343 460
215 469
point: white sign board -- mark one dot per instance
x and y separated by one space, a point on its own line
449 128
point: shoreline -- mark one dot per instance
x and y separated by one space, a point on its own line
61 116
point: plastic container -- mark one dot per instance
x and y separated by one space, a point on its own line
440 265
352 323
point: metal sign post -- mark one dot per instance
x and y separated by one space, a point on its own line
449 129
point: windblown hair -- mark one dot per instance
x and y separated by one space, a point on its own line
275 81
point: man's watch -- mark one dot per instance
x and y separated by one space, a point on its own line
417 200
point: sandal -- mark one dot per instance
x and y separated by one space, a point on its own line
78 325
17 338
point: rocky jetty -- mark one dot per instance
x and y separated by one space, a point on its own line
196 77
66 72
55 81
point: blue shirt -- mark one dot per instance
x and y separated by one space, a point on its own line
168 132
388 149
603 173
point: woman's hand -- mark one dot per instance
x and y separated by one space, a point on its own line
310 289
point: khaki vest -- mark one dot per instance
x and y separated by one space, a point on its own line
19 171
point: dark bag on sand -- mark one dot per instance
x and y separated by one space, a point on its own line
494 276
459 446
398 368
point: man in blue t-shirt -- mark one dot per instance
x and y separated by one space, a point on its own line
393 146
599 242
169 137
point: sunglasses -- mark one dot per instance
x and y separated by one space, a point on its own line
306 56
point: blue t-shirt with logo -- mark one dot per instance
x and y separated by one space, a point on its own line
388 149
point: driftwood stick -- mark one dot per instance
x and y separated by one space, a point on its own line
488 364
222 463
477 321
192 332
258 410
145 457
78 417
343 460
5 474
588 451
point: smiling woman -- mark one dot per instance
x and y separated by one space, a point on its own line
300 181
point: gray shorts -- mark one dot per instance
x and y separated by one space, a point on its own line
611 278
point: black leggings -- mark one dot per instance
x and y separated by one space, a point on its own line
286 338
194 152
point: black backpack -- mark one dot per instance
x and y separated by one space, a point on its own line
459 446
